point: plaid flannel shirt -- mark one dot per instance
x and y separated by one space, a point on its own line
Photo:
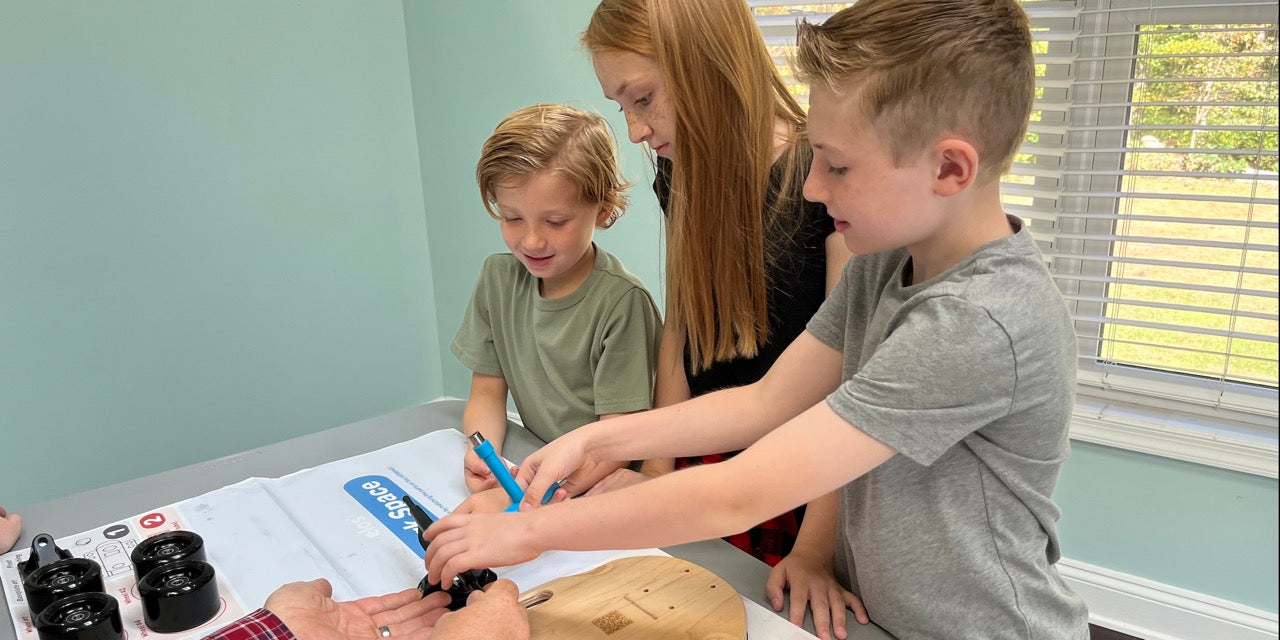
259 625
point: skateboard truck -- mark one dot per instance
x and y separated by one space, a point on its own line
44 552
65 595
51 574
463 583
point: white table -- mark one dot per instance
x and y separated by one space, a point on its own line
82 511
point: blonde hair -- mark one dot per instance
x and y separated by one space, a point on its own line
922 68
727 97
574 143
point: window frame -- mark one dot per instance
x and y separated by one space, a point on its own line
1220 424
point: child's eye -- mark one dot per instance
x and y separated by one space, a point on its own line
837 171
556 223
511 220
642 101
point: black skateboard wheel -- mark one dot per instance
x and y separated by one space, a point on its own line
52 582
166 547
84 616
177 596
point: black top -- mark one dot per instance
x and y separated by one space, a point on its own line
797 280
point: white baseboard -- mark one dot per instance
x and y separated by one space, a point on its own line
1154 611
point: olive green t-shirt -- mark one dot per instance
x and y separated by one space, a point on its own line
567 360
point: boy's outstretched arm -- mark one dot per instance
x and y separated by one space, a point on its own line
810 455
722 421
486 412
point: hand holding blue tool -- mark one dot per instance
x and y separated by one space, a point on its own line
494 461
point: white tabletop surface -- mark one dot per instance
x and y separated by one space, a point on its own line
82 511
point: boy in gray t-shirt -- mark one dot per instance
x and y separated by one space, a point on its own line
968 376
933 388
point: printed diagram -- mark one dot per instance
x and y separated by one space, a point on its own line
112 553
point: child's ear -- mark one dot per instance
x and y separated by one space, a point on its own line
604 217
956 166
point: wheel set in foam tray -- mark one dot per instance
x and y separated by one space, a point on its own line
68 600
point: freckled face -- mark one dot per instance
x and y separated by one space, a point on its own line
876 206
635 83
549 229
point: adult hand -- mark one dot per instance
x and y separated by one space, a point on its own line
477 540
494 614
311 613
476 473
619 479
812 585
10 529
493 500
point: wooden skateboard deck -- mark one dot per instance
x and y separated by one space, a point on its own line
641 598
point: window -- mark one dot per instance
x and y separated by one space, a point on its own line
1149 179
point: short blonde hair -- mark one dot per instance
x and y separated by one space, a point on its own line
574 143
922 68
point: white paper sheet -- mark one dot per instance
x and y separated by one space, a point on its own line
343 521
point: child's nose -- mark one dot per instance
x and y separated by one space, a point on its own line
533 240
811 190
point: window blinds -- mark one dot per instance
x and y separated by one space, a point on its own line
1148 177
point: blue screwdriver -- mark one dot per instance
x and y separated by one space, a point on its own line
494 461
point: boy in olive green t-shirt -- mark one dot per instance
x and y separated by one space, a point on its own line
558 322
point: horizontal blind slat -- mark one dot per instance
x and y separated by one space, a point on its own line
1152 262
1078 277
1206 331
1266 153
1175 127
1222 222
1164 103
1136 239
1148 304
1257 175
1191 197
1102 345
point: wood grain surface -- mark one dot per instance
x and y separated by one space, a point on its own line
641 598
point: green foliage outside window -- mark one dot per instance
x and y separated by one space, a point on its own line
1234 64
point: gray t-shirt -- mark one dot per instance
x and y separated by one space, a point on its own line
969 377
565 360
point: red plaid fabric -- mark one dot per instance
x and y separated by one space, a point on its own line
259 625
771 540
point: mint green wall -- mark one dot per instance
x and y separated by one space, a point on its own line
211 233
1200 528
212 237
1182 524
473 63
